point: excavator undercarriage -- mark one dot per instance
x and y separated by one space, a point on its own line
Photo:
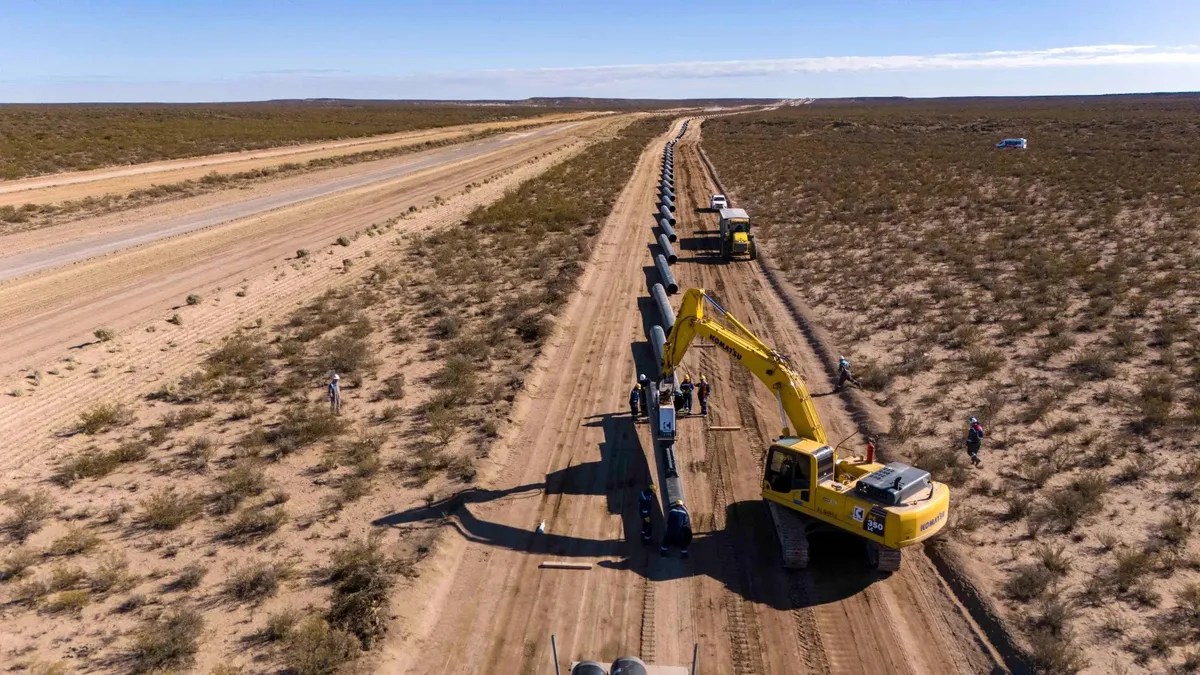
794 529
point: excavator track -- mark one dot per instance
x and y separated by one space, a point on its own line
792 530
885 560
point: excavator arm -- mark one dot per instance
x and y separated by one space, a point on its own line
700 316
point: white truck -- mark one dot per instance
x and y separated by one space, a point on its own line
717 202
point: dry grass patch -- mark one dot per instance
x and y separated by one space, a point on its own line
168 642
27 512
167 509
256 580
104 416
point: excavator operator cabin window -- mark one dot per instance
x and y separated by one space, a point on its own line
779 472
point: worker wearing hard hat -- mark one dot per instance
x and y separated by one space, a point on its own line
646 511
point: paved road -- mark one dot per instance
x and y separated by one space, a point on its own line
66 253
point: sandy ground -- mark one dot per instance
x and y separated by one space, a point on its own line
48 318
576 462
81 184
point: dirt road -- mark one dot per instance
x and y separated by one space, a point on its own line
82 184
52 314
577 463
17 263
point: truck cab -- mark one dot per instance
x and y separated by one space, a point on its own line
718 202
736 239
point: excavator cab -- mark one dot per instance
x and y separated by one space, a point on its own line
793 470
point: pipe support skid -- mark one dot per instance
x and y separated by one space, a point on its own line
667 230
664 272
665 312
667 249
666 213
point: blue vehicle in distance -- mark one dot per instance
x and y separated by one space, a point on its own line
1013 143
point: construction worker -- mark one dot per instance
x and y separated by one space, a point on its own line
679 529
974 440
635 399
677 399
870 448
334 393
645 510
687 388
703 391
644 399
844 374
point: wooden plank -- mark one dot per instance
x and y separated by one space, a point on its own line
557 565
724 428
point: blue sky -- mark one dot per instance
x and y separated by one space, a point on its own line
127 50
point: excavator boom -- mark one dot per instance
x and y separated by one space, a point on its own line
806 486
700 316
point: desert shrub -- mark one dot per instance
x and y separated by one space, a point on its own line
315 648
361 575
188 578
1176 528
983 361
243 354
393 387
874 376
1080 498
1028 582
71 602
167 509
93 463
16 562
1154 399
943 463
63 578
167 642
1129 569
28 512
254 523
245 479
1187 599
344 353
303 425
254 581
343 241
105 334
104 416
280 624
185 417
903 426
1053 558
1093 364
1051 653
76 540
193 299
446 327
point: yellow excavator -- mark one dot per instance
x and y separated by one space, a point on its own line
806 486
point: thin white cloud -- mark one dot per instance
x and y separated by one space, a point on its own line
1091 55
1159 67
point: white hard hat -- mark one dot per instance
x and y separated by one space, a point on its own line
336 376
